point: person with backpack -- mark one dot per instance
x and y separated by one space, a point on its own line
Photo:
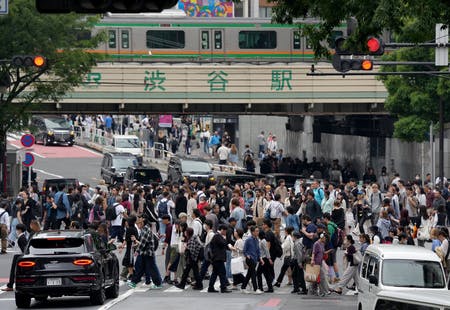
273 244
265 266
147 245
62 207
115 215
275 211
219 248
336 241
298 258
164 207
288 248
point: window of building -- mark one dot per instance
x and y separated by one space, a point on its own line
112 39
125 37
165 39
257 39
265 12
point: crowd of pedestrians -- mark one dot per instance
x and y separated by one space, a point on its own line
237 234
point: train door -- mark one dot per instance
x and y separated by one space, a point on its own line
125 47
295 44
212 43
119 42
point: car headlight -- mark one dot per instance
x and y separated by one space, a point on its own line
211 178
50 133
72 133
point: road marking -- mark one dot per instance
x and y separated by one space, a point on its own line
7 299
88 150
272 303
117 300
48 173
173 289
38 155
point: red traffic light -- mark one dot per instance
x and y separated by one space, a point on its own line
375 46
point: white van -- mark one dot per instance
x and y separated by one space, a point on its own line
387 267
125 144
412 300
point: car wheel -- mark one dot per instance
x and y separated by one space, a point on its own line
113 290
41 298
98 297
23 300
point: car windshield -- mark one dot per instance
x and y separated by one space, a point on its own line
124 162
412 273
57 245
57 123
147 176
128 143
195 166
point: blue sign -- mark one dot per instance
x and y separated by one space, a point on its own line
27 140
29 159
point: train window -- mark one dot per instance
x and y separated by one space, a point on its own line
297 38
308 44
205 40
112 39
165 39
257 39
218 39
125 38
83 35
334 35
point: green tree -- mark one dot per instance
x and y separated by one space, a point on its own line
413 99
57 37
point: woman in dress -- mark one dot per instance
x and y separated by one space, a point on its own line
233 157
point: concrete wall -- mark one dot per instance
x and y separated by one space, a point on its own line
408 159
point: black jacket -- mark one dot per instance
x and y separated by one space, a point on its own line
219 248
22 242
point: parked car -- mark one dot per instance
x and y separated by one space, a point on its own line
114 166
183 169
67 263
52 130
125 144
141 175
54 184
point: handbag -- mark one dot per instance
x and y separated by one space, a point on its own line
357 258
237 265
312 273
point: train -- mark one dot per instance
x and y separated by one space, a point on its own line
139 38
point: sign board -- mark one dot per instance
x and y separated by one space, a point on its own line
441 53
27 140
29 159
3 7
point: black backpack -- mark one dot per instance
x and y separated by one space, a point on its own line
111 214
162 208
60 203
277 249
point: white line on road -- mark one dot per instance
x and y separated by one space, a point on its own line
48 173
38 155
117 300
87 150
7 299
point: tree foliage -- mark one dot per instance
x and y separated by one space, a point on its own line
26 32
413 99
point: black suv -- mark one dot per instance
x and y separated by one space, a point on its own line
67 263
185 168
141 175
52 130
114 166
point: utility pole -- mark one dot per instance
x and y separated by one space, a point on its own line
441 59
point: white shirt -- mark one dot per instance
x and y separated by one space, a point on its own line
209 236
223 152
119 211
197 226
4 219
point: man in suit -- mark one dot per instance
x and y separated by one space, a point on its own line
22 242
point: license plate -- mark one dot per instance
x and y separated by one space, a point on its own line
54 281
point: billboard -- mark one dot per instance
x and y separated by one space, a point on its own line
207 8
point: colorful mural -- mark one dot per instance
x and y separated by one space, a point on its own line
207 8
